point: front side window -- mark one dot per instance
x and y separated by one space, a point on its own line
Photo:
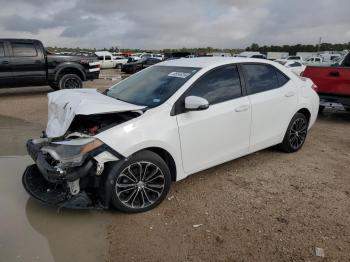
219 85
2 49
23 49
153 86
262 77
107 57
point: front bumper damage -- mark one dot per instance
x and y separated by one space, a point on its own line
74 181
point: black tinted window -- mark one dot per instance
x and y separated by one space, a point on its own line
23 49
219 85
107 57
2 50
100 57
281 78
261 77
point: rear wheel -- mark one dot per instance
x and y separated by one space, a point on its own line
70 81
296 134
140 183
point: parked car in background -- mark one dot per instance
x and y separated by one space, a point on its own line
295 58
314 60
123 148
120 61
252 55
133 67
25 62
106 59
295 66
333 83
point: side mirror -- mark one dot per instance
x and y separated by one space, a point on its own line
194 103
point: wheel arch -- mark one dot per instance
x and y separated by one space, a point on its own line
167 157
70 69
306 112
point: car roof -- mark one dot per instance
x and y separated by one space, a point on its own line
203 62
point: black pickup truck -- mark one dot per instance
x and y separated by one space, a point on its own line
25 62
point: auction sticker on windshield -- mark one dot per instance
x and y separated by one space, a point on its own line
179 74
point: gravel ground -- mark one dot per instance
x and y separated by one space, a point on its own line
269 206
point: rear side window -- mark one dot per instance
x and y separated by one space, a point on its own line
100 57
107 57
262 77
2 49
23 49
218 85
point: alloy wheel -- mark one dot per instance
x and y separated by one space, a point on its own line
71 83
297 133
140 185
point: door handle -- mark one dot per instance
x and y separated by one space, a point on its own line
242 108
5 62
289 94
334 73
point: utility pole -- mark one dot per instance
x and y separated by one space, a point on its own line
319 46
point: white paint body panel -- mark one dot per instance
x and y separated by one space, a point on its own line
64 105
199 139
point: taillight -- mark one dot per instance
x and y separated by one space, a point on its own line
314 87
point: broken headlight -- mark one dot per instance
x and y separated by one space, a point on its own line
71 152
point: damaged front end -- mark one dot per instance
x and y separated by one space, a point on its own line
68 173
69 159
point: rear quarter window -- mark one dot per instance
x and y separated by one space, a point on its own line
263 77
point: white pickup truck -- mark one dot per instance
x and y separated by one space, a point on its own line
107 60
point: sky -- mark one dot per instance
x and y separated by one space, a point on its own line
158 24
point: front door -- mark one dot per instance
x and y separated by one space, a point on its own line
221 132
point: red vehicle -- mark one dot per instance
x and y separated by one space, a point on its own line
333 83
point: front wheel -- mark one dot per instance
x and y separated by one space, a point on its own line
140 183
296 134
70 81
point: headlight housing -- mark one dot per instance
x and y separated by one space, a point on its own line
71 151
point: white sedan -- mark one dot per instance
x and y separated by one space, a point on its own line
123 148
295 66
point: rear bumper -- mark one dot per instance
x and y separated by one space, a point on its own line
334 98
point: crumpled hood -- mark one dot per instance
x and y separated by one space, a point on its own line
64 105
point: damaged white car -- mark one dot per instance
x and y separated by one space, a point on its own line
124 147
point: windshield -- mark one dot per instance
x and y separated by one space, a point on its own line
153 86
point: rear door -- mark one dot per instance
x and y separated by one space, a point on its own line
273 98
6 77
28 63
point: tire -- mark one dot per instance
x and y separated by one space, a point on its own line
118 66
296 134
132 191
70 81
320 109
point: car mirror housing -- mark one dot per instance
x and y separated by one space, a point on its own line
194 103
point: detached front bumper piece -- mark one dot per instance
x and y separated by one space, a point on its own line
53 194
67 181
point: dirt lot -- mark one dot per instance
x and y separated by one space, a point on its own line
269 206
